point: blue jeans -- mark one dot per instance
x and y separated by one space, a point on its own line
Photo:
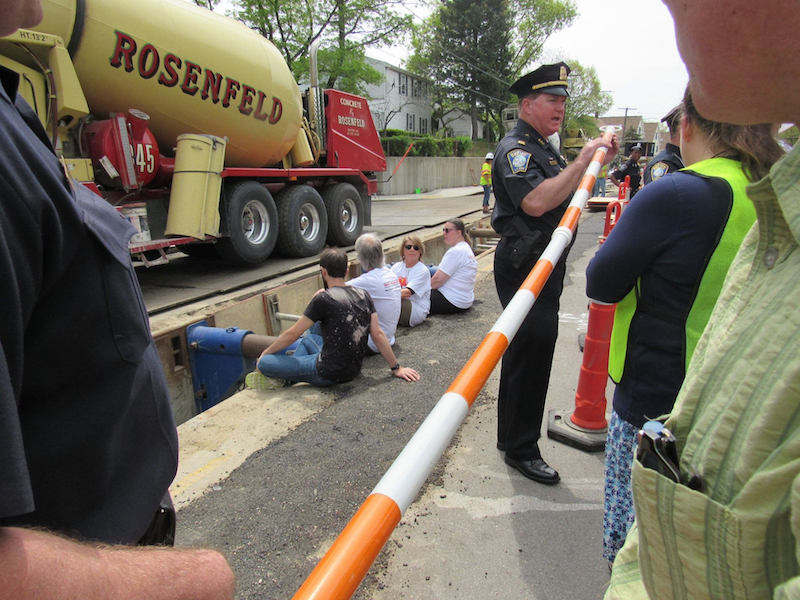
487 189
300 366
600 187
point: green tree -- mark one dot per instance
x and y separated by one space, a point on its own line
466 55
537 20
343 29
586 99
474 50
209 4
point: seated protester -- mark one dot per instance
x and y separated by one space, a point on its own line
345 315
453 283
381 284
415 282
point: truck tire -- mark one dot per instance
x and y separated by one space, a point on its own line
250 219
302 221
345 214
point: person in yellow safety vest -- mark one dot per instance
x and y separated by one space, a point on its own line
486 179
664 264
600 182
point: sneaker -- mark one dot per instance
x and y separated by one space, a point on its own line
258 381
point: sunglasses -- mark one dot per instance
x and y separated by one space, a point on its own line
412 246
448 229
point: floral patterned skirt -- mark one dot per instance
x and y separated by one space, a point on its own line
618 503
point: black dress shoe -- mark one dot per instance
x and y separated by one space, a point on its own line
534 468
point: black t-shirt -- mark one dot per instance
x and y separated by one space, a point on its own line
88 445
344 313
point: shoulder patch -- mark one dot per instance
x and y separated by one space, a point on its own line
518 160
658 170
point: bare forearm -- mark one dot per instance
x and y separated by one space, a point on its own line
383 346
37 564
284 340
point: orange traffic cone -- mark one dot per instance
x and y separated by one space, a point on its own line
586 426
590 398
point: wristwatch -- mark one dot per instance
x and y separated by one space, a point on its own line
395 367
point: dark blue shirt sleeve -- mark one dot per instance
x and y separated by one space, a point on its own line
643 231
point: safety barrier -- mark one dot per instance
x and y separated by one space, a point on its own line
346 563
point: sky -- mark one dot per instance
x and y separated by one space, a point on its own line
631 45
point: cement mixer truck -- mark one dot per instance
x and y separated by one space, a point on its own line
193 127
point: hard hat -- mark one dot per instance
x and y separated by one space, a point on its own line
489 156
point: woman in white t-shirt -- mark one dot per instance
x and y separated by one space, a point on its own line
453 284
415 282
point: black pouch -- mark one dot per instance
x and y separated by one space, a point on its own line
524 248
161 531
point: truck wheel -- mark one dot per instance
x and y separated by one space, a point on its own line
302 221
345 214
250 219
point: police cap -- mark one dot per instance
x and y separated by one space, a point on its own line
672 118
550 79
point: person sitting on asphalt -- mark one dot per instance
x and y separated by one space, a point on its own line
333 350
415 282
380 283
453 283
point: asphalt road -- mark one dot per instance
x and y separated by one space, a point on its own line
477 530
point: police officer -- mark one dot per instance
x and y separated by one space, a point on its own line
532 188
629 168
669 159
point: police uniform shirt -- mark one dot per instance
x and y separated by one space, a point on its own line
629 167
667 161
88 445
523 159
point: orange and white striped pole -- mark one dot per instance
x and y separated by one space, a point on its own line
346 563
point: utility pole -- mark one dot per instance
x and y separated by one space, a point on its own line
625 123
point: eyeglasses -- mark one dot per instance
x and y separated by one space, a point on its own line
412 246
448 229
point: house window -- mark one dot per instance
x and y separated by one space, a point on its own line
423 126
410 119
402 87
415 85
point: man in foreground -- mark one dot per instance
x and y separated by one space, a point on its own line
88 445
532 189
729 527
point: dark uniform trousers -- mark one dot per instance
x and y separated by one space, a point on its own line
525 369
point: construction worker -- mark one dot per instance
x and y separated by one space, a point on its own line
486 179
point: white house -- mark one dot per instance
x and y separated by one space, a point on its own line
402 101
458 123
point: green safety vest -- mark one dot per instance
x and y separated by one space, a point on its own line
740 220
